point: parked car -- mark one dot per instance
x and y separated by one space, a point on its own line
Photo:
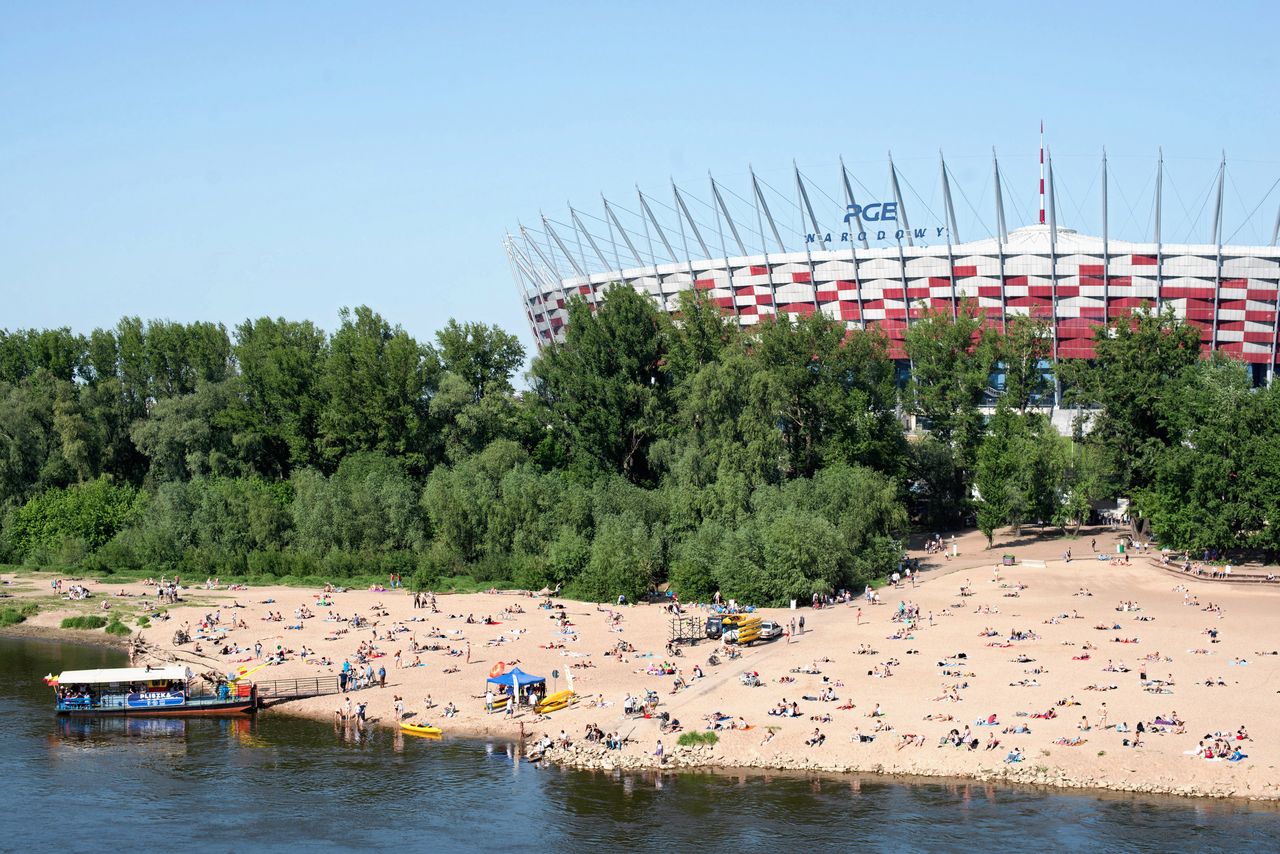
770 630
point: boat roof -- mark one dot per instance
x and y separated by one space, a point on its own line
124 674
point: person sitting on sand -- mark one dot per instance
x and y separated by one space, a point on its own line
816 739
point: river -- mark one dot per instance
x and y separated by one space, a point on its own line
277 782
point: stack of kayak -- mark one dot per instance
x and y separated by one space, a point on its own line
555 702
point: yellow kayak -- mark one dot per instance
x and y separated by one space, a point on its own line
555 702
421 729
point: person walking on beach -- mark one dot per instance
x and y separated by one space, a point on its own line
802 624
468 652
382 677
859 617
659 753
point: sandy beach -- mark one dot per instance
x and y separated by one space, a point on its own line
1092 644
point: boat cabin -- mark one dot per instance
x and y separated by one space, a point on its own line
147 691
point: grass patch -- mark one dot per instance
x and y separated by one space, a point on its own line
696 737
11 616
117 628
144 622
88 621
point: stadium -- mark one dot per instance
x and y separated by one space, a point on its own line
877 259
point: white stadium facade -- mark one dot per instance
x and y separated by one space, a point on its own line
881 261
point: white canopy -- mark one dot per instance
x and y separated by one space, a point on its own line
124 674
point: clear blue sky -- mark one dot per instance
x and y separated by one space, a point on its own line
229 160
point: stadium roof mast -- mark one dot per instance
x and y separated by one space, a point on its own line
706 253
724 249
1106 256
849 200
762 212
1053 275
564 250
952 231
851 207
1042 171
817 232
897 197
591 241
662 235
1217 238
533 275
1002 236
625 237
516 258
1159 243
906 227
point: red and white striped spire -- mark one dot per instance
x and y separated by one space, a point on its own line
1042 171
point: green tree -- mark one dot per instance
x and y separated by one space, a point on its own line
1024 348
1133 381
951 362
624 561
604 387
376 385
91 512
483 356
834 392
1019 473
281 364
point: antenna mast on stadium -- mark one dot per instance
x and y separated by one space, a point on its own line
1042 171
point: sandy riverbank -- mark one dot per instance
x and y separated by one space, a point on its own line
925 666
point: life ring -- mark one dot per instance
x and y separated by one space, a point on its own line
497 670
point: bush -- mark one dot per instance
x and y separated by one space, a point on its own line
693 739
89 621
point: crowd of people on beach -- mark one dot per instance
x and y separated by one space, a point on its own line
817 702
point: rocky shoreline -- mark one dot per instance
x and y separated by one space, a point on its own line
704 758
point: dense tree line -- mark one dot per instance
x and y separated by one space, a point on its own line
768 465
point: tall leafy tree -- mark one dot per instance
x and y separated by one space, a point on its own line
834 393
1024 348
281 366
1018 475
604 385
484 356
377 385
951 362
1133 382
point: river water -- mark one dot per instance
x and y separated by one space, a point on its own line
278 782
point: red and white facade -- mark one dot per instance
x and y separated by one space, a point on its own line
1231 295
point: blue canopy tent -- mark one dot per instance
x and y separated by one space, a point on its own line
515 679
